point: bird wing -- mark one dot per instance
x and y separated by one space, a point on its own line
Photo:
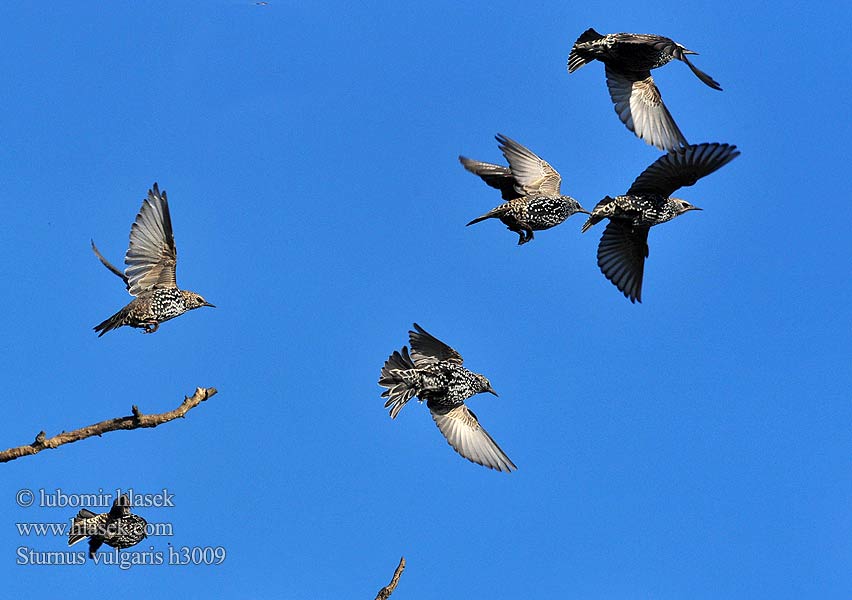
640 107
682 168
621 256
120 507
497 176
704 77
427 349
86 524
109 265
467 437
534 175
151 257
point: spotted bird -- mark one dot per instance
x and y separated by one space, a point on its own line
433 372
530 188
118 528
150 275
628 60
624 244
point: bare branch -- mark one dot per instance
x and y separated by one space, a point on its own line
135 421
386 591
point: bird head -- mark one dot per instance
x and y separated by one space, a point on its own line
575 206
193 300
485 385
683 206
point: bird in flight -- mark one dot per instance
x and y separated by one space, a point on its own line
150 275
118 528
433 372
628 60
624 244
530 188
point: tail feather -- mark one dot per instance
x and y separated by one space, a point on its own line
114 322
577 58
400 378
494 213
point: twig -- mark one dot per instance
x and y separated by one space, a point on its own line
386 591
135 421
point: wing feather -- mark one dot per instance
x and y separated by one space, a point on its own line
682 168
640 107
621 256
534 175
151 257
467 437
427 349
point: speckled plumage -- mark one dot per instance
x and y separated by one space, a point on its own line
629 59
531 188
433 372
624 244
150 275
118 528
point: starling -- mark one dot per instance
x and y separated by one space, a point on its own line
118 528
150 274
629 58
624 243
434 373
530 188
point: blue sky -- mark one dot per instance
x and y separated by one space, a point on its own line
696 445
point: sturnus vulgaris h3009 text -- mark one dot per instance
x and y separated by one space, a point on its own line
530 188
118 528
629 58
624 244
434 373
150 275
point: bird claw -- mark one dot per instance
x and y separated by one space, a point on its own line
524 239
150 327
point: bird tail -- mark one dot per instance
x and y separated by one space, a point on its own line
114 322
578 58
590 222
78 529
594 219
494 213
400 378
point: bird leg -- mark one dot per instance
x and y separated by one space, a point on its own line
150 327
529 236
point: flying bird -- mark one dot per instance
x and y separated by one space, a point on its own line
433 372
624 244
118 528
629 58
150 274
530 188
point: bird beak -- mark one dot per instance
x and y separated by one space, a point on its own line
583 210
490 390
208 304
685 51
695 208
